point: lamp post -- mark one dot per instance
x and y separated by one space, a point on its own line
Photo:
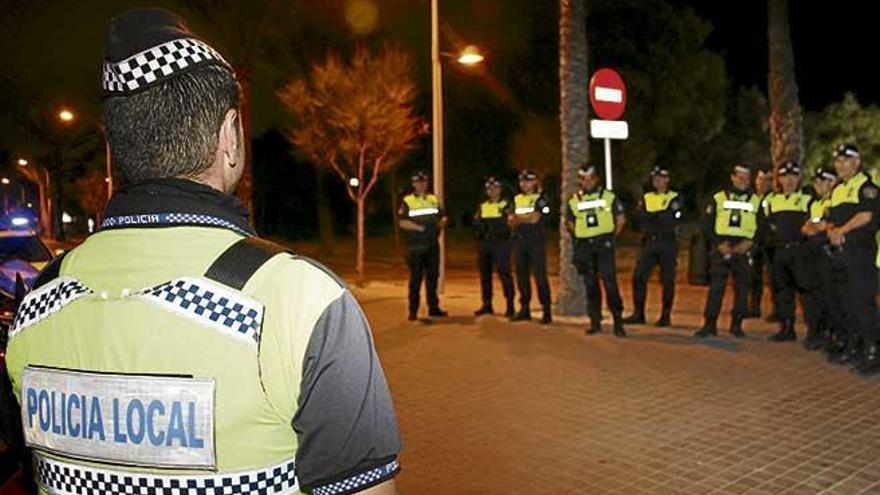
469 56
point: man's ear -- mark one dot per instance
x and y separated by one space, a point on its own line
229 138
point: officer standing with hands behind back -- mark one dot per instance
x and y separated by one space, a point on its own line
493 236
529 246
658 214
731 225
422 219
595 218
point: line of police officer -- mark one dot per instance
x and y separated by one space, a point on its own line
823 244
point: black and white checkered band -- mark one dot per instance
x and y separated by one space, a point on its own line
157 63
42 303
63 478
230 312
170 219
360 481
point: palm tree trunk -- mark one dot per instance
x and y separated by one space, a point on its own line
573 84
359 257
786 117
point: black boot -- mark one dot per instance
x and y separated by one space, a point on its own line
547 317
437 313
636 318
709 330
814 340
664 320
736 328
595 326
786 332
510 313
523 315
618 327
850 354
870 364
485 309
412 316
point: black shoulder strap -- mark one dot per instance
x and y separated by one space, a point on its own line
49 272
241 260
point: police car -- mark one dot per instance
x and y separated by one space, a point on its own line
22 256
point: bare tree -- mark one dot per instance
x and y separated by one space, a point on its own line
786 116
357 119
573 82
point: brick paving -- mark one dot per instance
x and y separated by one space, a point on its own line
490 407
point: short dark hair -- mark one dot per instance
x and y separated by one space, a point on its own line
171 129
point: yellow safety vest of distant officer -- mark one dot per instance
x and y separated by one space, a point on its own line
595 217
421 219
174 352
731 225
659 215
529 246
852 232
493 251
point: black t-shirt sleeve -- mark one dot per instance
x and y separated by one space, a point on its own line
617 207
542 206
345 420
868 198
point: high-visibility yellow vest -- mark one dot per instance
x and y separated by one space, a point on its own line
794 202
736 215
819 208
593 213
422 208
526 204
492 209
656 202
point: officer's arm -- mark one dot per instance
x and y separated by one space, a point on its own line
858 220
619 217
709 224
868 202
410 225
345 420
541 208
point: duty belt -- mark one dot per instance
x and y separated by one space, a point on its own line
64 478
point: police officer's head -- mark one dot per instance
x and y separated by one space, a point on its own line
493 189
824 180
741 177
660 178
789 177
588 177
763 181
847 160
528 181
420 182
171 103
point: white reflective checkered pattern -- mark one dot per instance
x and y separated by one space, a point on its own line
230 312
161 61
40 304
64 478
189 219
369 478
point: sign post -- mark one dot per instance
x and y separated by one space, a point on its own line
608 99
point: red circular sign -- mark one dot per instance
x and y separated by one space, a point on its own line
608 94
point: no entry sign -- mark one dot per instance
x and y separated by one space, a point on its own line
608 94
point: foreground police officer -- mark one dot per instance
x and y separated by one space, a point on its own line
658 214
852 228
731 224
421 219
822 324
529 246
595 217
786 213
175 352
493 236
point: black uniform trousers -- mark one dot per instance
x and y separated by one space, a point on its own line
720 268
654 252
594 259
855 278
819 279
424 264
788 275
530 257
494 255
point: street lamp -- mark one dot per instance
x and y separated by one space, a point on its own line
4 181
65 115
22 162
466 58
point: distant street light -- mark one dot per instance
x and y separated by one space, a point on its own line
66 115
22 162
470 56
5 181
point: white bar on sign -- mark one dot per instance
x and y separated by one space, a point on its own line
609 129
609 94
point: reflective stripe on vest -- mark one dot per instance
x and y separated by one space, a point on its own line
592 213
736 216
489 209
656 202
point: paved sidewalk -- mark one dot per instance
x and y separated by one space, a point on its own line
489 407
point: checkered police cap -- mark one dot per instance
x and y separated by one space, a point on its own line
789 168
586 169
492 182
847 150
661 170
527 174
419 175
146 47
826 173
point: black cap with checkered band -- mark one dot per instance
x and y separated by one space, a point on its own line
847 150
789 168
147 46
826 173
661 170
